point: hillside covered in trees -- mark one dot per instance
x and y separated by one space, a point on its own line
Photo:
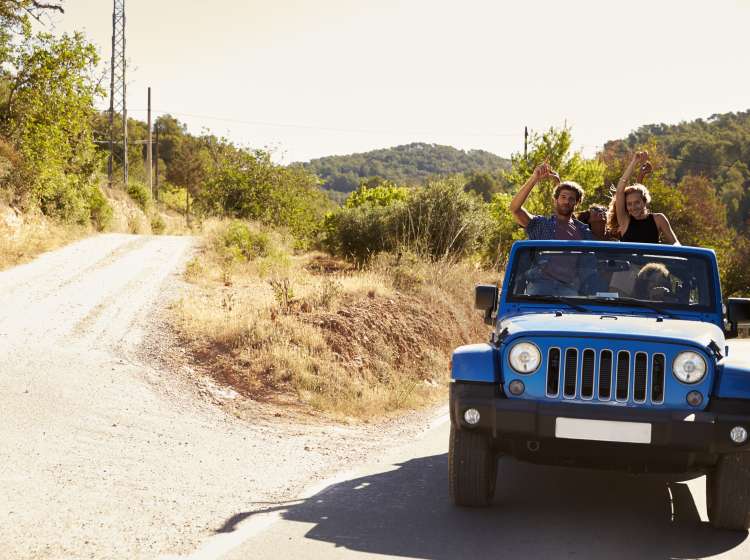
410 164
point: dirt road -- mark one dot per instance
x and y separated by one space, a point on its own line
104 453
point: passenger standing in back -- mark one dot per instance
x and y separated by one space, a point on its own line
561 224
636 223
560 275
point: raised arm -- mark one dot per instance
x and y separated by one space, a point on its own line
623 218
522 216
665 229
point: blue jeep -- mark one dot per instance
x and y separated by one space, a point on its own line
606 355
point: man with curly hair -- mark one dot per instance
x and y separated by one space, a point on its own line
561 224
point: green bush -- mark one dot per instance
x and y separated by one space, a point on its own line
240 242
64 197
359 233
173 197
502 232
441 220
99 209
434 221
139 193
383 194
157 224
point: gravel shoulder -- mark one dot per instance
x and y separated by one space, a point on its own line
111 446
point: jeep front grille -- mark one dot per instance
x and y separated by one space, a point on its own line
587 374
590 374
657 379
623 371
605 375
571 373
640 373
553 372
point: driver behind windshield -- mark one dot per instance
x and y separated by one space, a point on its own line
653 283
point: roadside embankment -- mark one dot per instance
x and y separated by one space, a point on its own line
25 235
306 329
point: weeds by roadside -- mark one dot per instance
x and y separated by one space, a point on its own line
349 342
24 236
36 236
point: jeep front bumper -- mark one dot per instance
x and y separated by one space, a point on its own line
519 420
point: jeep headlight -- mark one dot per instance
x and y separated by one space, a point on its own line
525 357
689 367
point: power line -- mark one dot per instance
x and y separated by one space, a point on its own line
327 128
597 147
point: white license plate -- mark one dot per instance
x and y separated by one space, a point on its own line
602 430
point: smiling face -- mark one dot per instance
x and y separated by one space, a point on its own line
566 202
635 205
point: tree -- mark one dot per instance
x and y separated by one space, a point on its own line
15 14
553 147
171 132
733 184
704 215
246 184
372 193
189 168
46 115
484 184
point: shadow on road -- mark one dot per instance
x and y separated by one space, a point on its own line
538 512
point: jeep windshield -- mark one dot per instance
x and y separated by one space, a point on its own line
656 281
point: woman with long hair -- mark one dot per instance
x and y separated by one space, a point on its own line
634 221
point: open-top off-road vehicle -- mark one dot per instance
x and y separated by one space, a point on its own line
606 355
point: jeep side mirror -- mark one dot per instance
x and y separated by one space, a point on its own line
738 315
485 299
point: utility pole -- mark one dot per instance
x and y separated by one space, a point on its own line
149 163
156 171
525 143
117 91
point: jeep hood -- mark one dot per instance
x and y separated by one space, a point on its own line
604 325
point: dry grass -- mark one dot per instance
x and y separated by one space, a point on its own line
37 235
26 236
317 331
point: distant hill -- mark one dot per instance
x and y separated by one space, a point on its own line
410 164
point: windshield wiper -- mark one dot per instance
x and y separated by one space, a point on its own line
639 303
570 302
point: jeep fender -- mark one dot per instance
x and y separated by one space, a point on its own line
476 362
732 380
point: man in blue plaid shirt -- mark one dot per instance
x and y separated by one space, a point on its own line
561 224
560 275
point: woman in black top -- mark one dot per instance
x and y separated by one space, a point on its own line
635 222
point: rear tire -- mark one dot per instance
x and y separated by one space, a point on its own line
728 492
472 468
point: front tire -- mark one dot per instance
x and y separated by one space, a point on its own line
472 468
728 492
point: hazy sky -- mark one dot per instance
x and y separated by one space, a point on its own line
321 77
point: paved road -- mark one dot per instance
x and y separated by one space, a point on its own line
111 446
399 507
